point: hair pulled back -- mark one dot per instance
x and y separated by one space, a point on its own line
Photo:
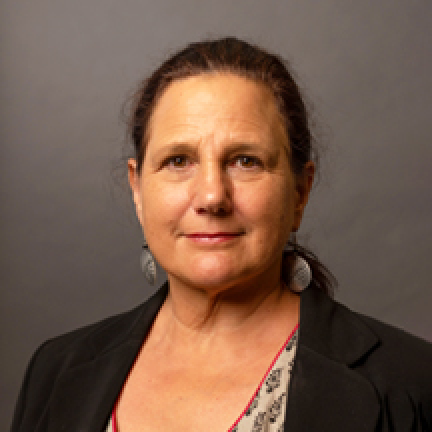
231 55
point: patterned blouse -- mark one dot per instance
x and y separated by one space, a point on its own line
266 410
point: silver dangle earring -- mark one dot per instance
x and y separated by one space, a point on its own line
148 265
301 272
302 275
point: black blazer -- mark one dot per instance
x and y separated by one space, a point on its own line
351 373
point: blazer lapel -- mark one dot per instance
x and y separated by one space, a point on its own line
85 393
325 393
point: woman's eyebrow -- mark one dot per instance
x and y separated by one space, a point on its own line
175 148
244 146
193 147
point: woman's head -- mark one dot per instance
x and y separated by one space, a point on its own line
222 166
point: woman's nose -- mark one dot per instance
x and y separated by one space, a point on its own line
212 190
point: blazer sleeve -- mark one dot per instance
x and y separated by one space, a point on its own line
21 405
36 389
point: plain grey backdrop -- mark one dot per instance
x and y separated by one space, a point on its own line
70 243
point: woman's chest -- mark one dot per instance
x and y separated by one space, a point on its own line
183 400
184 407
182 395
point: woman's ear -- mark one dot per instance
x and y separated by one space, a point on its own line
135 185
304 183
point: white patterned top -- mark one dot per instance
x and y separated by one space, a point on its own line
266 410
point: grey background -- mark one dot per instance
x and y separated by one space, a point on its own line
69 240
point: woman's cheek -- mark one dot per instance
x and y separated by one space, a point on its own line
259 201
166 204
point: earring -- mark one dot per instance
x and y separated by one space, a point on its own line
301 271
148 265
302 275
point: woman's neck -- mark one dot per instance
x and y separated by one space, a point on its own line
201 318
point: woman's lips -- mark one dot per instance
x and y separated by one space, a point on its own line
217 237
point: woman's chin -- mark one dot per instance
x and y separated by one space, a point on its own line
213 274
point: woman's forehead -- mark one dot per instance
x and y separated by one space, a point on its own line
223 105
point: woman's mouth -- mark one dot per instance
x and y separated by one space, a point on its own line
211 238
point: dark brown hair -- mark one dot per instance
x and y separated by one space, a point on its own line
235 56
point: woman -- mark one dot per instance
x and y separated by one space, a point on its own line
221 175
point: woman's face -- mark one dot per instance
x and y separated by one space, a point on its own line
216 196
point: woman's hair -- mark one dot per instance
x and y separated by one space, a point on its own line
231 55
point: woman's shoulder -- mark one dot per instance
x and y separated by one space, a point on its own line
399 353
74 350
387 356
355 353
106 333
400 370
399 363
396 338
77 346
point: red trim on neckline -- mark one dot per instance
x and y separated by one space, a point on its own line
114 418
264 377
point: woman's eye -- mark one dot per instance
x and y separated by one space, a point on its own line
177 162
247 162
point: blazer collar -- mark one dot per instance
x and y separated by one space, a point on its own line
332 330
326 393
